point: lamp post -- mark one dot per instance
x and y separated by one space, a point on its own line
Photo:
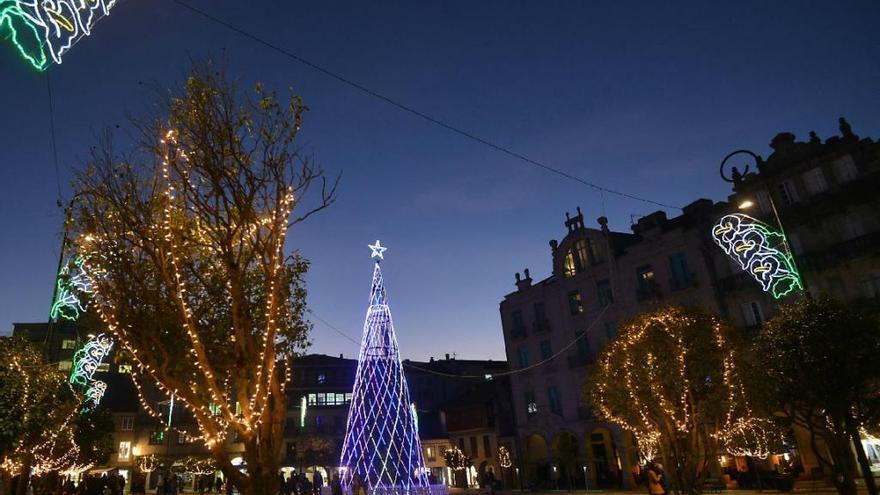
748 203
586 485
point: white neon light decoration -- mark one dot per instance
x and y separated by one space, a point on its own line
85 363
381 444
44 30
752 244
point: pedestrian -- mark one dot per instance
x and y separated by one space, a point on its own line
655 480
318 482
218 483
229 487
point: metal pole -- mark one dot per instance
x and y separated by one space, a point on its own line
786 244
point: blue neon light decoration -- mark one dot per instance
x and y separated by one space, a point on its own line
753 244
381 446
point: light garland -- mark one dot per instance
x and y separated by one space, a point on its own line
455 459
504 457
381 445
44 30
659 395
750 242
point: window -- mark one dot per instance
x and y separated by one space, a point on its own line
853 227
523 357
611 330
575 304
461 445
568 265
681 276
753 314
124 451
764 201
814 180
429 453
546 351
328 399
126 423
647 287
124 368
531 405
214 408
474 451
103 368
68 344
65 365
603 287
584 253
795 242
540 313
487 449
322 378
583 344
787 193
183 438
157 437
871 287
554 400
845 169
519 327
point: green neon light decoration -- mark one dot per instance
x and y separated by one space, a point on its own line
753 244
44 30
71 284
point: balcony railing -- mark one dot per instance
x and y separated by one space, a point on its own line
518 332
647 290
541 326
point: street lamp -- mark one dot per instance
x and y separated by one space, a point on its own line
748 203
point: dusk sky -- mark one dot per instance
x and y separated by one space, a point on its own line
644 97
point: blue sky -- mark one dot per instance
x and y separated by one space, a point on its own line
639 96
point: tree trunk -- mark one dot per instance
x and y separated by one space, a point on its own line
24 477
865 466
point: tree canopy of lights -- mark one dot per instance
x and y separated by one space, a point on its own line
755 246
817 364
43 31
381 443
183 237
37 415
455 459
672 379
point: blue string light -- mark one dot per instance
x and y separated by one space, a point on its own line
381 447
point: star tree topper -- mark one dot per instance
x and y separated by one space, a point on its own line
378 250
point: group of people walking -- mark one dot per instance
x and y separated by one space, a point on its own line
299 484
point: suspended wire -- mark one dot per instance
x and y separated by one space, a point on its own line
406 108
486 375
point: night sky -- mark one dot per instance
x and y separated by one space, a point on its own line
644 97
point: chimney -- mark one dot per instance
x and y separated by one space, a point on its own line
447 356
340 356
523 283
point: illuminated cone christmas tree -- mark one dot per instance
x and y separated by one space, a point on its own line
381 445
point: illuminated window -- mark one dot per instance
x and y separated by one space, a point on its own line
126 423
429 453
214 408
814 180
845 169
103 367
328 399
568 266
124 368
647 287
184 438
68 344
575 304
124 451
64 365
157 437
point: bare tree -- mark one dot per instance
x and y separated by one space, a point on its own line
183 242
